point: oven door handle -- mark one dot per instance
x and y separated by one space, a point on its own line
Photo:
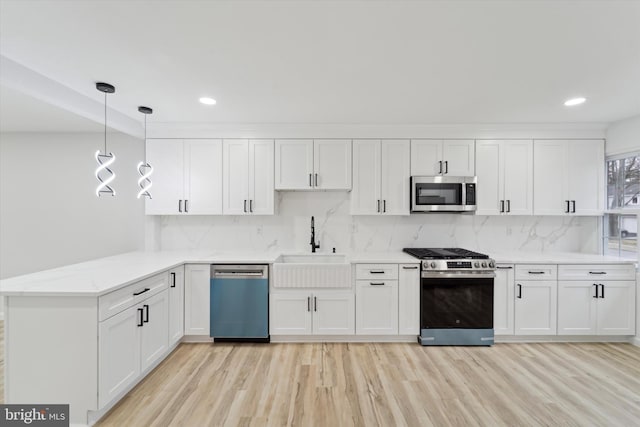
437 275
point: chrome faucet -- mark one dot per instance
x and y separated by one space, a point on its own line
313 237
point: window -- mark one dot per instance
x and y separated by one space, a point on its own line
623 199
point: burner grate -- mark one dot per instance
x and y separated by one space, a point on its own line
444 253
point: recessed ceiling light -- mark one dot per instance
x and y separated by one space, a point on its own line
207 101
574 101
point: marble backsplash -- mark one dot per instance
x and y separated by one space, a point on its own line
289 230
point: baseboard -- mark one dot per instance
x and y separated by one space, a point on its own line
344 338
506 339
635 341
197 339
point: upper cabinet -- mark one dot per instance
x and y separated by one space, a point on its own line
568 177
187 177
454 157
304 164
380 177
248 177
505 177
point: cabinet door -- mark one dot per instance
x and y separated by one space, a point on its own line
294 164
332 164
490 170
235 177
365 195
577 305
290 313
166 157
535 308
176 305
333 313
196 296
395 177
409 299
459 157
503 300
154 334
586 176
119 354
617 308
203 177
261 177
426 157
376 307
518 177
550 177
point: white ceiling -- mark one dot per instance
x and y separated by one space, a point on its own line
20 113
392 62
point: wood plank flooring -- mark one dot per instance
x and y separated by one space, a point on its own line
388 385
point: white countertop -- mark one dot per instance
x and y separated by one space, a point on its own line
556 258
104 275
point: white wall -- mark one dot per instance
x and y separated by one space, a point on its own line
289 230
623 136
49 213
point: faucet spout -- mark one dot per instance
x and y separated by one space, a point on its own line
313 244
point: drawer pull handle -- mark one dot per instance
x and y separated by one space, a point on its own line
376 283
536 272
376 271
135 294
504 268
597 272
410 268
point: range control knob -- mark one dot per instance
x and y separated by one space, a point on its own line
425 265
433 264
484 264
476 264
492 264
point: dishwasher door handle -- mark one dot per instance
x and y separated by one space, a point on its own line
232 273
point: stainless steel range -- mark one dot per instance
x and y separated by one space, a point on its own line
456 296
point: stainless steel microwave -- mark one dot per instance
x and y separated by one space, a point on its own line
443 193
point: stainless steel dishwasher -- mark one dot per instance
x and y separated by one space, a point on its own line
240 303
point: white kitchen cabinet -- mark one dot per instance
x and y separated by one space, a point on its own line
454 157
119 354
154 333
176 305
409 299
318 312
535 307
505 176
322 164
131 342
376 307
596 300
503 300
248 177
196 299
187 177
568 177
380 177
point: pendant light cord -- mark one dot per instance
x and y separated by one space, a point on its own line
145 138
105 123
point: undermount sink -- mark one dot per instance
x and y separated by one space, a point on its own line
312 271
312 259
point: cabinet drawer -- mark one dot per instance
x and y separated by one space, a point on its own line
376 272
597 272
117 301
536 272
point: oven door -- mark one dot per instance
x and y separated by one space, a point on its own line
461 301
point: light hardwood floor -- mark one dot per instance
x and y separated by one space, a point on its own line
388 385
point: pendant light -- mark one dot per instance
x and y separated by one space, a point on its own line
104 174
144 168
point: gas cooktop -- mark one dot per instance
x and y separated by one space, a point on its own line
444 253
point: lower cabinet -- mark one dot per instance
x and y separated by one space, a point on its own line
176 304
129 343
409 299
377 307
596 299
196 299
535 307
318 312
503 300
